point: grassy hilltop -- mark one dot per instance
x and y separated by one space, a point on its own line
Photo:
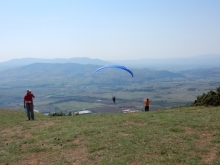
188 135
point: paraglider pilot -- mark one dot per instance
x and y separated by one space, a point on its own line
113 99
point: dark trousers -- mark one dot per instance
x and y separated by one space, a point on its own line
146 108
30 111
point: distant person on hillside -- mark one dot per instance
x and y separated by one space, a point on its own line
147 103
28 104
113 99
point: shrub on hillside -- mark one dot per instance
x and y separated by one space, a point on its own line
210 99
56 114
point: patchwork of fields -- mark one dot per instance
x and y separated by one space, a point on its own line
67 96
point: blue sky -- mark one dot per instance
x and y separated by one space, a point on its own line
109 29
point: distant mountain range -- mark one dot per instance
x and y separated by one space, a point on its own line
28 61
42 74
82 71
42 70
46 70
173 64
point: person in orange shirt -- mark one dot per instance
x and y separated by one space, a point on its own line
147 103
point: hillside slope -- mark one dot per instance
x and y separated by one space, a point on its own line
187 135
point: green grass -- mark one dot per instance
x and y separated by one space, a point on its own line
188 135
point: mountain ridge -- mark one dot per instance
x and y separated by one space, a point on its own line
208 60
74 69
79 60
171 64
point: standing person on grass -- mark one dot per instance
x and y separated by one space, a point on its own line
28 104
147 103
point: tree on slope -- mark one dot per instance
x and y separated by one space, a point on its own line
210 99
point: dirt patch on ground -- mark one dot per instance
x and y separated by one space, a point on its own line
28 135
13 130
16 131
210 156
44 124
76 154
73 155
205 139
34 159
123 134
133 123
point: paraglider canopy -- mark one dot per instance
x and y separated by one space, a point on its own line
114 66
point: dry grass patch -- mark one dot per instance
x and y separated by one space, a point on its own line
133 123
204 141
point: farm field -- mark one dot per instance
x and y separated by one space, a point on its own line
62 96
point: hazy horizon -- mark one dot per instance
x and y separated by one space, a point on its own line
109 30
